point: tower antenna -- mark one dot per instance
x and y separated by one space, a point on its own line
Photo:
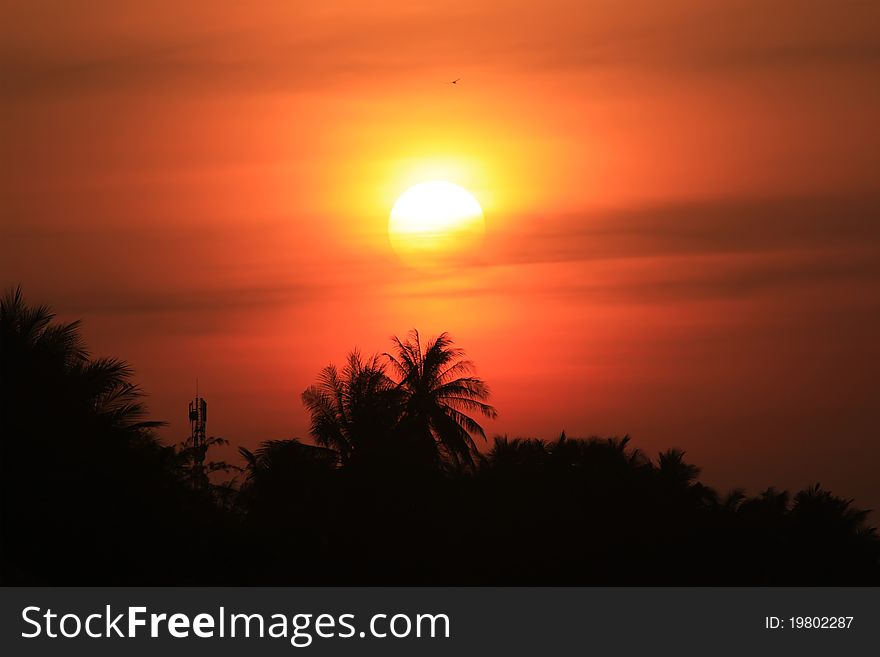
198 422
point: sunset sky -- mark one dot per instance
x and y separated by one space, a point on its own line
682 211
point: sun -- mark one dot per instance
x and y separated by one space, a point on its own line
436 222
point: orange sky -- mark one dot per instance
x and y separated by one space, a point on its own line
681 204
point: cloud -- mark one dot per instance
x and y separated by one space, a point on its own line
192 301
271 51
686 252
282 49
695 279
694 228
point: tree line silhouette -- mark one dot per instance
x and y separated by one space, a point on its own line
394 490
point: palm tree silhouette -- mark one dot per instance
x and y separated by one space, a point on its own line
675 470
354 409
828 512
50 359
516 455
438 389
84 423
372 506
278 468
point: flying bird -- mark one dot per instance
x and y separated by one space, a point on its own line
455 81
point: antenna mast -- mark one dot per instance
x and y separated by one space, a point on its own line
198 420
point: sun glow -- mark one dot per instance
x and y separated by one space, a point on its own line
436 221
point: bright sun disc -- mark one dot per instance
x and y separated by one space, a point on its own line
436 221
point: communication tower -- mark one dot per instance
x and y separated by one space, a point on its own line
198 420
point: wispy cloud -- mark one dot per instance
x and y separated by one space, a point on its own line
281 48
720 250
701 227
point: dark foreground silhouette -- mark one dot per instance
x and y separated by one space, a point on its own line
395 491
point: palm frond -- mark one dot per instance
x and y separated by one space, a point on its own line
471 405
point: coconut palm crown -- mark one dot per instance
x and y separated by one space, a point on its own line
439 395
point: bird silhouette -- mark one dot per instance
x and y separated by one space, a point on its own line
455 81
